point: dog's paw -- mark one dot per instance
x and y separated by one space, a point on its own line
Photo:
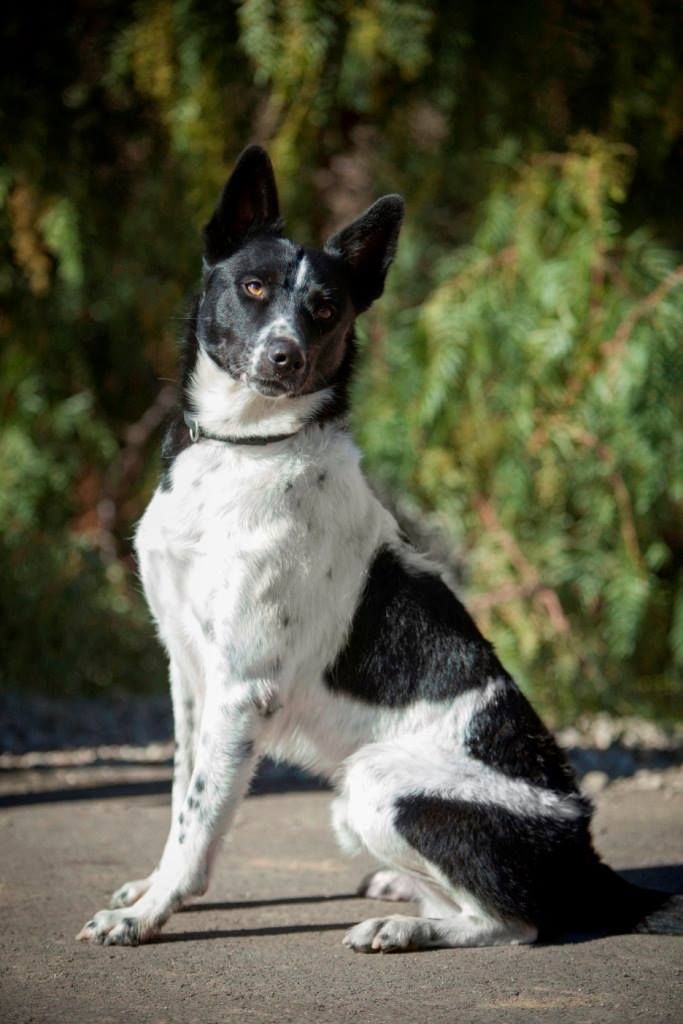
115 928
388 885
395 934
129 893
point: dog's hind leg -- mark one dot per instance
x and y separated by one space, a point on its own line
442 922
383 884
399 933
488 855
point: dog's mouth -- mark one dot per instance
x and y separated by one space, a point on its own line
271 387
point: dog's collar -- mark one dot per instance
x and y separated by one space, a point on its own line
197 432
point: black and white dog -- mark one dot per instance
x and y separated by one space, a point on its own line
300 623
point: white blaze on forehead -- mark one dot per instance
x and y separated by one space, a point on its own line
301 273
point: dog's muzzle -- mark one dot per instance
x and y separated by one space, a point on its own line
281 365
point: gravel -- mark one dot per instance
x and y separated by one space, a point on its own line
31 723
38 733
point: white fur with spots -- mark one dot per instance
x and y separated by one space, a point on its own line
253 562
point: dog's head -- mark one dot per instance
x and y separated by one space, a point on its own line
275 316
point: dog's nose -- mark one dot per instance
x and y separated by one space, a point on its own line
285 354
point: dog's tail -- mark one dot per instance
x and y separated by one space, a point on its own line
612 905
667 919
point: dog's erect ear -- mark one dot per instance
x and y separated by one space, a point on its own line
248 204
367 247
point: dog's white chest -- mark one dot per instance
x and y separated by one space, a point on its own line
255 560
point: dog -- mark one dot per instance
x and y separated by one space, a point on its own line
300 622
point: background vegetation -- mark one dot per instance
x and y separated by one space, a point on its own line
522 377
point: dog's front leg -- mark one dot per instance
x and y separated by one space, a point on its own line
187 696
231 721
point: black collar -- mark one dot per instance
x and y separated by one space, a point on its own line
197 432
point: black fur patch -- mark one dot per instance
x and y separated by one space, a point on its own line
538 869
129 931
176 439
176 435
508 735
410 638
518 867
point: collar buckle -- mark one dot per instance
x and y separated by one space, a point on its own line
195 432
192 425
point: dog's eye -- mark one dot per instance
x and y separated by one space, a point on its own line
255 288
325 312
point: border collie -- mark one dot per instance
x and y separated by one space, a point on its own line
300 622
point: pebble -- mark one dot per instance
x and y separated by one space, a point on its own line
593 783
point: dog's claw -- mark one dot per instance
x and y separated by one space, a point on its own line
114 928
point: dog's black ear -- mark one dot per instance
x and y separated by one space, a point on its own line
248 204
367 247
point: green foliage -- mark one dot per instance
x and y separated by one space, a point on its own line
535 402
521 377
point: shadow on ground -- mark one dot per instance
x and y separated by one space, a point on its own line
270 778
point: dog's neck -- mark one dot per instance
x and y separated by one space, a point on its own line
225 407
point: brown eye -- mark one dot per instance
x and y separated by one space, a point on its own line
255 289
324 312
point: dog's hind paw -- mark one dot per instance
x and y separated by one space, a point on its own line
388 885
396 934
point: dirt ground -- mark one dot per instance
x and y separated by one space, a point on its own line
265 944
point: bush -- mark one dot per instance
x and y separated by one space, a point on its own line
533 399
521 376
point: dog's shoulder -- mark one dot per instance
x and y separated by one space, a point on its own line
410 638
